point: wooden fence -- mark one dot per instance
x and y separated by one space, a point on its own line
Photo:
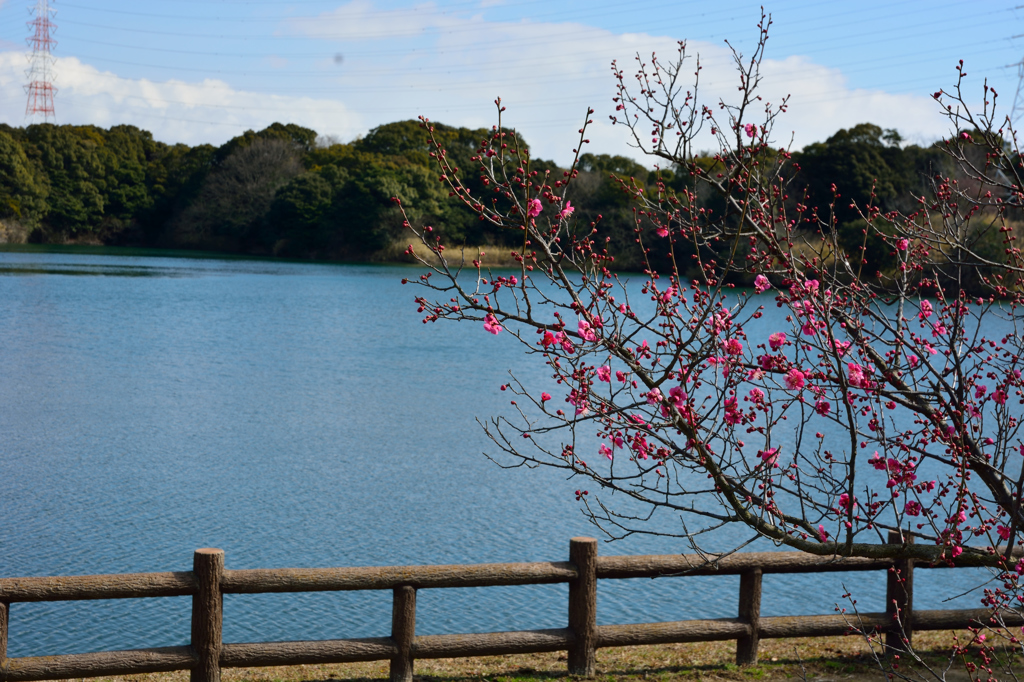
209 581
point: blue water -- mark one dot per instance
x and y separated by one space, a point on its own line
294 415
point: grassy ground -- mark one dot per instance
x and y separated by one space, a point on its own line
826 658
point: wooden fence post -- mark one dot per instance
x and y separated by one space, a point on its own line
207 614
899 598
403 629
583 607
750 612
5 617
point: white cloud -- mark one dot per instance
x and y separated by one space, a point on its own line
451 68
174 110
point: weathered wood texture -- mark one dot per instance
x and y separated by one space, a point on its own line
782 627
252 581
96 665
259 654
492 643
389 577
952 619
750 612
735 564
5 616
209 581
76 587
385 648
671 633
899 598
455 646
583 607
403 631
207 614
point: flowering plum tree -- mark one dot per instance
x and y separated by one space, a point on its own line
833 403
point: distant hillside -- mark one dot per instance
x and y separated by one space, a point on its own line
279 192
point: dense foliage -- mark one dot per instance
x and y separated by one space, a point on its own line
284 191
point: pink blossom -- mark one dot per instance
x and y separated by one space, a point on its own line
822 534
823 407
856 375
938 328
979 391
956 551
1004 532
585 332
606 451
566 212
966 136
777 340
926 310
756 396
491 324
912 508
534 208
621 376
794 379
732 413
808 328
999 396
902 244
770 457
653 396
844 501
749 129
544 397
811 285
761 284
605 373
677 396
733 347
912 360
661 231
548 340
840 347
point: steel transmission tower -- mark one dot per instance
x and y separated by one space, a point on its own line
40 72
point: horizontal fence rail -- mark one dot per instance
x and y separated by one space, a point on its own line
208 582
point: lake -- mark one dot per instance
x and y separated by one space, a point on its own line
294 415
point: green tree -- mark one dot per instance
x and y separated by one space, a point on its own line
230 210
297 213
23 185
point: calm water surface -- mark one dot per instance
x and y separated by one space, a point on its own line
295 415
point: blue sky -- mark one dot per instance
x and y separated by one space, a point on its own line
205 70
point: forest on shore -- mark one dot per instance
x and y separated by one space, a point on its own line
284 191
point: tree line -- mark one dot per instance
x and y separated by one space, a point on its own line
284 191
